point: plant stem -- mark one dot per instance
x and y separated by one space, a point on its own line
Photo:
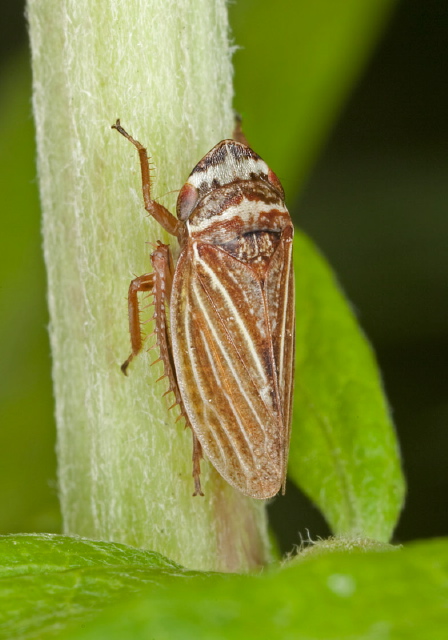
164 68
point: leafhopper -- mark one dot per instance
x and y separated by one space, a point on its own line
228 348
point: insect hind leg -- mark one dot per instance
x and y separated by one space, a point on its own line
159 284
197 455
162 262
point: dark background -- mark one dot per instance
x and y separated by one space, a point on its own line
376 204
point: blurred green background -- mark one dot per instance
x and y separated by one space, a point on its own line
373 198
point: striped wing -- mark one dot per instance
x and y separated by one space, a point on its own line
280 290
233 351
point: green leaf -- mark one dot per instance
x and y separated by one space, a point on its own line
372 596
344 452
364 595
49 582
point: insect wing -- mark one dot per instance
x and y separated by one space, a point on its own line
279 290
233 351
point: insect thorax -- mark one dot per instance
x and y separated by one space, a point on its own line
244 218
254 247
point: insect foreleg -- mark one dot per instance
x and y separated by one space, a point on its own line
166 219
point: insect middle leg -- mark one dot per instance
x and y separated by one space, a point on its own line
142 283
159 284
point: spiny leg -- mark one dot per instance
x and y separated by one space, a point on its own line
159 283
162 262
164 217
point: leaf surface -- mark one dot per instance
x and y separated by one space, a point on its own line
344 453
372 595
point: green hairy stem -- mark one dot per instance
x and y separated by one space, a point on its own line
165 70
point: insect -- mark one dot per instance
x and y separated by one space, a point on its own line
227 342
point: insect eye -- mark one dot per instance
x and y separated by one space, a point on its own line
272 178
186 201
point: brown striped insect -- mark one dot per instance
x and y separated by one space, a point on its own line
228 349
